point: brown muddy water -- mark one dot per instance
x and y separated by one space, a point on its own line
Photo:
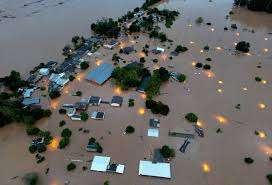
216 159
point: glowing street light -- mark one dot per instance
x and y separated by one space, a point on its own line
221 119
141 111
220 90
117 90
220 82
206 167
261 106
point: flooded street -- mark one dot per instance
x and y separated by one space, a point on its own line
212 95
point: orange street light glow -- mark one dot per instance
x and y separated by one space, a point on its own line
237 34
143 96
265 38
141 54
248 54
193 63
117 90
218 48
221 119
262 134
54 104
164 56
54 144
132 41
191 42
220 82
212 29
206 167
156 66
141 111
201 51
209 74
199 123
261 106
264 82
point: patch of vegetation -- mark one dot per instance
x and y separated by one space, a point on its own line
269 178
62 123
191 117
181 78
243 46
181 49
131 102
206 67
31 179
129 75
78 93
158 77
142 60
167 152
208 59
66 133
71 166
107 183
106 27
62 111
258 79
78 42
255 5
206 48
157 107
84 65
54 94
158 35
248 160
13 81
64 142
84 116
199 65
130 129
71 78
199 20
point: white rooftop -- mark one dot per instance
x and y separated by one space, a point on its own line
100 163
153 132
147 168
120 168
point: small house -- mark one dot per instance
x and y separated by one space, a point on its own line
81 106
154 123
95 100
27 93
101 74
102 164
158 50
76 117
92 146
30 101
147 168
111 44
70 112
116 101
97 115
153 132
38 141
44 71
127 50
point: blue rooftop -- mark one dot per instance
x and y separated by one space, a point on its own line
31 101
101 73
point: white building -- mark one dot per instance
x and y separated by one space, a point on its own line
147 168
102 164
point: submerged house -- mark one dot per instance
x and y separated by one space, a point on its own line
111 44
30 101
98 115
116 101
101 74
95 100
143 84
102 164
127 50
154 123
147 168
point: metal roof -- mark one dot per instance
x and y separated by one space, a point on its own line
101 73
100 163
147 168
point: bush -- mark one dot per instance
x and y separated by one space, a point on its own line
32 149
78 93
41 148
106 183
167 152
199 20
269 178
199 65
164 110
157 107
207 67
106 27
43 88
62 123
155 60
31 179
64 142
191 117
258 79
66 133
206 48
142 60
31 131
71 166
181 77
84 65
71 78
243 46
248 160
181 49
150 104
130 129
84 116
62 111
131 102
208 59
54 94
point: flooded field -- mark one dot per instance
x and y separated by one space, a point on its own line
216 159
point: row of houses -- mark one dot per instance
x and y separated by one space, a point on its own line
146 168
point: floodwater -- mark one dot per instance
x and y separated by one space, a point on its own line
37 30
215 159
